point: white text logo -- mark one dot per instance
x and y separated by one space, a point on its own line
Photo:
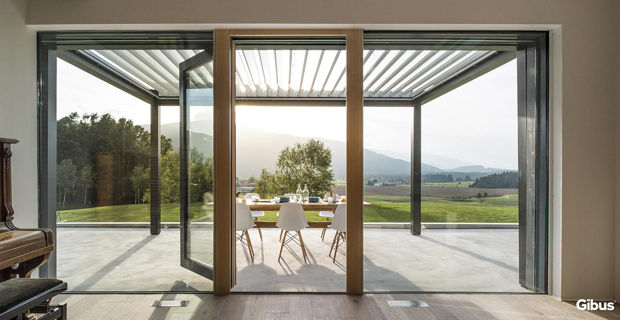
590 305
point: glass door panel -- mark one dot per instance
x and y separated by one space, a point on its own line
196 164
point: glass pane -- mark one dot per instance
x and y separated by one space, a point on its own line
200 169
469 185
104 171
283 151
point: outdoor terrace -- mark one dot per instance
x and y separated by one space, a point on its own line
129 259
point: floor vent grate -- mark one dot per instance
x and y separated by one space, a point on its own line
407 304
169 303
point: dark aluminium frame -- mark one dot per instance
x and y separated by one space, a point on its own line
186 239
66 45
529 48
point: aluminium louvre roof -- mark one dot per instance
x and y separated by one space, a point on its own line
299 74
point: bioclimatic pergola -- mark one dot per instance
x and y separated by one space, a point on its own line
285 72
404 69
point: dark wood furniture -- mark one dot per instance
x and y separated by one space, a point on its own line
22 297
21 250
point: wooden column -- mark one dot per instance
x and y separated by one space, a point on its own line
223 232
355 162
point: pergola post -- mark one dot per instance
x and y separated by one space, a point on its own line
155 161
416 169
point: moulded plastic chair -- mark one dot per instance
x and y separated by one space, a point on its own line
339 223
244 222
292 218
255 214
327 214
290 196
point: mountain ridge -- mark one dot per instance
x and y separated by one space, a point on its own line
252 157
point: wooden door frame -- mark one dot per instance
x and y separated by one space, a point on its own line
225 145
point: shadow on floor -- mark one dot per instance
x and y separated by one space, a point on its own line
472 254
97 276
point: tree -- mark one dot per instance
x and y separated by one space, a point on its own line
81 138
66 175
467 178
505 180
201 177
251 180
86 180
170 173
369 183
266 185
139 181
166 145
302 164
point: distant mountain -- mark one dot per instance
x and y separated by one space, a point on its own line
480 169
434 160
442 162
396 155
259 149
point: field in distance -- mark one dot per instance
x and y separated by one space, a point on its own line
490 209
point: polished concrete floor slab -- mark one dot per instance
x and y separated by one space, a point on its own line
129 259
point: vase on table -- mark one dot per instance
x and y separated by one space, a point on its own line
305 193
298 195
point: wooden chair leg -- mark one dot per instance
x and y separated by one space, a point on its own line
281 230
250 247
333 242
336 252
259 232
324 230
303 246
282 246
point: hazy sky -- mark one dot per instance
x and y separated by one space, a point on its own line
476 123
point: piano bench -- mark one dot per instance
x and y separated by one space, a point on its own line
27 295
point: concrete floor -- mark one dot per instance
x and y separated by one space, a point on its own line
129 259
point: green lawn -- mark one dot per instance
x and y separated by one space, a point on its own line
439 209
384 209
170 212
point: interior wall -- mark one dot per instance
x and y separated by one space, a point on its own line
583 79
18 106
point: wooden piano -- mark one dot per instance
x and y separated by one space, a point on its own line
21 250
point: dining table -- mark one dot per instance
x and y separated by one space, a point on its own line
271 205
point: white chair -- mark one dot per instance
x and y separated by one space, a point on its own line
244 223
290 196
292 218
339 223
255 214
327 214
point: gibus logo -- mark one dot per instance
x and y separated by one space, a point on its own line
590 305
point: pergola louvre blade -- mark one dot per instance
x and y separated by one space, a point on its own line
277 73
